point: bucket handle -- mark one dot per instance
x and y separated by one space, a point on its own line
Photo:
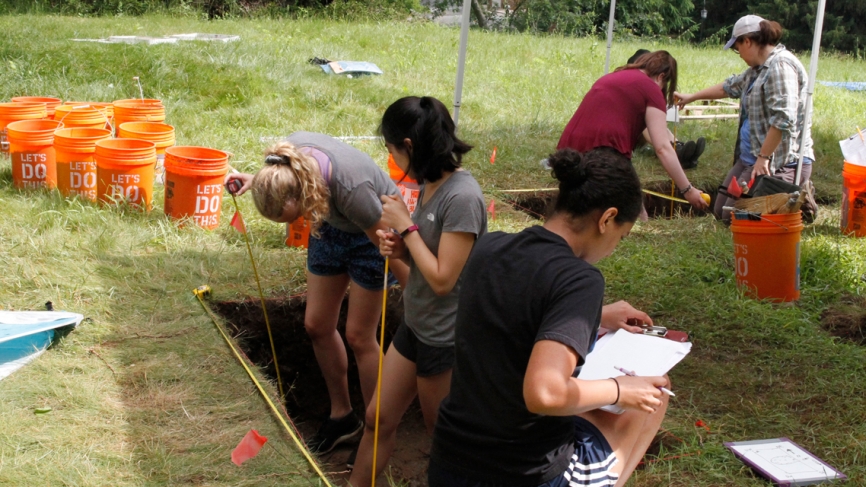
107 121
748 215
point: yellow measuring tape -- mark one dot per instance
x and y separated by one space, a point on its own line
202 291
262 299
539 190
379 377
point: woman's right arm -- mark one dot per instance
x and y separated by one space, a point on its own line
246 181
549 388
712 93
656 123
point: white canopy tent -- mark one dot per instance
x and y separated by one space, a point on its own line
813 67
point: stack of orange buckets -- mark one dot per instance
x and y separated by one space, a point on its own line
70 147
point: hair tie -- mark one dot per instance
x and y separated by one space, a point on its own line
275 159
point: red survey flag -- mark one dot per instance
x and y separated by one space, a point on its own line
491 208
248 447
493 156
238 222
734 188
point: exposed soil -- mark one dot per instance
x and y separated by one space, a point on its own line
847 319
307 397
538 204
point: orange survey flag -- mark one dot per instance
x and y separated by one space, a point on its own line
493 156
734 188
248 447
491 208
238 222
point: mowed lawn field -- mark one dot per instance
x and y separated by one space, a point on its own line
146 392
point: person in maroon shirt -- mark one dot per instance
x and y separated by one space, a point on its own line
618 108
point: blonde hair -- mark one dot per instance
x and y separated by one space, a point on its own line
290 175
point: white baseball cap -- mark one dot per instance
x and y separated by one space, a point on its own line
746 25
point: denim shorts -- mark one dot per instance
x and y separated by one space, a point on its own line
429 360
589 466
336 252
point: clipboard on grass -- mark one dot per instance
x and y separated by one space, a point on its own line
784 462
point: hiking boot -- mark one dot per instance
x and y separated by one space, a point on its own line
700 145
685 154
350 462
336 431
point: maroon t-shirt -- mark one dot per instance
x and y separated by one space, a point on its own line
612 114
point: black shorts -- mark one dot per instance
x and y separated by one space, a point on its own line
429 360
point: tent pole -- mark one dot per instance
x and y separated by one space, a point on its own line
810 88
610 21
461 58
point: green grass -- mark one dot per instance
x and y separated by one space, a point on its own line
146 393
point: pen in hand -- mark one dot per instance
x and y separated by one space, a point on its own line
632 374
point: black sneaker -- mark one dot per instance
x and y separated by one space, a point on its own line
686 154
700 145
336 431
350 462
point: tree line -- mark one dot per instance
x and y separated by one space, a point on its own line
844 21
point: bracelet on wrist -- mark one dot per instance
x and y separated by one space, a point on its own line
688 188
617 390
408 230
762 156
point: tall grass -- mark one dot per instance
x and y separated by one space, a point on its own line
146 394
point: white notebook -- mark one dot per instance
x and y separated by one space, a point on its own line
645 355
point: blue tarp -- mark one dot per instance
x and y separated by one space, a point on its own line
24 335
848 85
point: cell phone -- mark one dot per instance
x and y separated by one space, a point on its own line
657 331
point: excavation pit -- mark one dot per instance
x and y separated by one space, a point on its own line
847 319
306 395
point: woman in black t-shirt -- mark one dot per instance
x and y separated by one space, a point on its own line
529 311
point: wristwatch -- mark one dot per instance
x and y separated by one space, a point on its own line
408 230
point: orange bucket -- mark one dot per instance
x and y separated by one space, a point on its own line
124 171
194 183
767 255
104 107
81 116
15 111
31 145
298 233
50 102
159 133
853 199
138 110
408 187
76 167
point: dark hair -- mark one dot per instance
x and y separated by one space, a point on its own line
637 54
654 64
596 180
426 122
769 35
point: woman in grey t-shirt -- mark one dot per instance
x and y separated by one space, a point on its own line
337 189
435 241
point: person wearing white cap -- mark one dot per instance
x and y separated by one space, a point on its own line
772 93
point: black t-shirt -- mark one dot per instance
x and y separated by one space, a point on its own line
517 289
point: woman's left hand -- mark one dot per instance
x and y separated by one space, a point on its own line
617 315
762 166
394 212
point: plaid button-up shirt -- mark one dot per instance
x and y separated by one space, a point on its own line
777 99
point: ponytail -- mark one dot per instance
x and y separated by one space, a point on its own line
426 122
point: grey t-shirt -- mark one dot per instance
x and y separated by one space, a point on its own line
457 206
356 182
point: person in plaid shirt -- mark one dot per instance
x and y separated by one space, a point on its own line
772 93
